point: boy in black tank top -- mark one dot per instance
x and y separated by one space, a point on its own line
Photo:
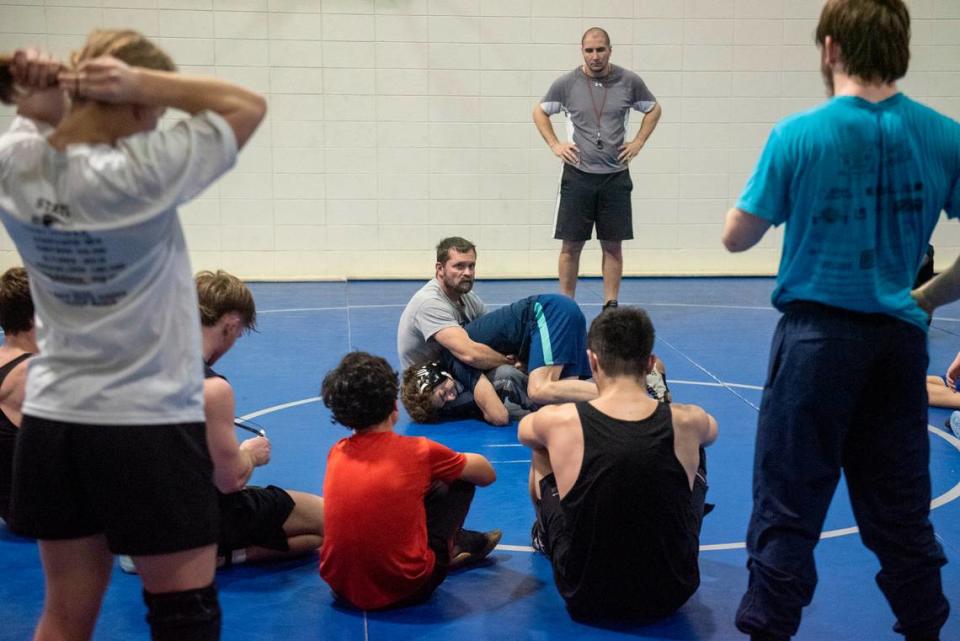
19 344
619 483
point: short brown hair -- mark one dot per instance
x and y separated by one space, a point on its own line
873 35
16 304
462 245
419 403
220 293
361 391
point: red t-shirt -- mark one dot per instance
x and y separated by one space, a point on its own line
375 523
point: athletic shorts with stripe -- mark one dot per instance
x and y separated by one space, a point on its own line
558 336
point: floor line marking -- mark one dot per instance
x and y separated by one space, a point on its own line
947 497
708 373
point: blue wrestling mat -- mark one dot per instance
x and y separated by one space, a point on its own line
712 333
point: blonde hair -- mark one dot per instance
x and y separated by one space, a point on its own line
127 45
220 293
132 47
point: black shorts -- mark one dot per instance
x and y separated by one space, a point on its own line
254 516
147 488
552 522
553 526
586 199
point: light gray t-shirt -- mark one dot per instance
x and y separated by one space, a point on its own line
116 306
427 313
581 97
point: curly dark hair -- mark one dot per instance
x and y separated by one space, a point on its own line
361 391
419 404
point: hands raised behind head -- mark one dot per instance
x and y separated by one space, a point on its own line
258 448
105 79
33 69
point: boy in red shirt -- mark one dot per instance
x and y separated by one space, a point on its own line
393 505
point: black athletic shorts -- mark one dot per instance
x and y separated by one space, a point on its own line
552 522
254 516
586 199
147 488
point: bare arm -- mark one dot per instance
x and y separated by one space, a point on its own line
233 463
698 421
941 289
478 470
742 230
466 350
485 396
527 432
564 150
953 372
110 80
628 151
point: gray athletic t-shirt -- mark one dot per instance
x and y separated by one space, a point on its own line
581 97
427 313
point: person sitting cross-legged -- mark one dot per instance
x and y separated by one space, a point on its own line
619 483
394 505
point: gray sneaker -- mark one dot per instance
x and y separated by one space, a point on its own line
473 547
657 387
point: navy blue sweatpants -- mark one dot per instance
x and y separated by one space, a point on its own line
844 391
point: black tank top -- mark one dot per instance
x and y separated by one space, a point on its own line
8 442
634 532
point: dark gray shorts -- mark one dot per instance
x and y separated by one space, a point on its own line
594 199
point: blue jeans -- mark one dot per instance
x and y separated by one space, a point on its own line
844 391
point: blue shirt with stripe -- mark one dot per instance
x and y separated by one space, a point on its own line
860 187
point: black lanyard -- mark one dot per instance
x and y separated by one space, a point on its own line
597 112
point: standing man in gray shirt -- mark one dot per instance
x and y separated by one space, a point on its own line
597 98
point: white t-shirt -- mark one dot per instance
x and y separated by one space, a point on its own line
98 231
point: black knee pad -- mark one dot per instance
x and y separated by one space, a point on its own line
191 615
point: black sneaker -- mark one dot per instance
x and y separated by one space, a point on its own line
610 304
473 547
536 538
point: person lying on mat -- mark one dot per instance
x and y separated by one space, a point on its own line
256 523
19 344
394 505
433 319
546 332
619 483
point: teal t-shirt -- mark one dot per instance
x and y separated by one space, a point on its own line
860 186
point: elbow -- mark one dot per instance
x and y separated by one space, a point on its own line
734 244
229 485
498 418
488 478
469 358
